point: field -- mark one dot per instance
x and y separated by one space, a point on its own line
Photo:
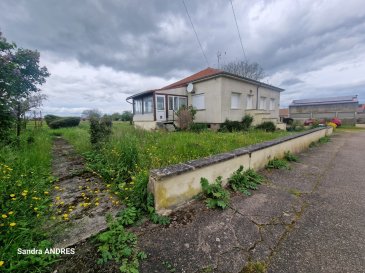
26 181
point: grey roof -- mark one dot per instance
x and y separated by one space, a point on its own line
321 101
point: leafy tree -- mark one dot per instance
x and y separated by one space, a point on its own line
91 113
116 116
127 116
245 69
20 77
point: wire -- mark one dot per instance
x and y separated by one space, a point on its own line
238 31
196 34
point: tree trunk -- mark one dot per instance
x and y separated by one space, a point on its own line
18 120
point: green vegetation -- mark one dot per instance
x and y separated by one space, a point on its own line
25 185
243 181
255 267
267 126
216 196
122 160
277 163
119 245
236 126
288 156
64 122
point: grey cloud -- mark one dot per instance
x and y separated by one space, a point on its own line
292 81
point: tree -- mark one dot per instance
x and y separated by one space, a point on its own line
90 113
116 116
245 69
20 77
127 116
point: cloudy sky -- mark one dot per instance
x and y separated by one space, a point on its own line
100 52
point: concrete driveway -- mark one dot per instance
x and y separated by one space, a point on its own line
330 234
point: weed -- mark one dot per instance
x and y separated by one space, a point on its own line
295 192
119 245
288 156
243 181
255 267
128 216
217 196
324 139
169 266
277 164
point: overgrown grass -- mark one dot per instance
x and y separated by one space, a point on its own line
161 148
25 185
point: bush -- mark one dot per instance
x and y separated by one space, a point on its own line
185 117
246 122
295 126
268 126
64 122
198 127
231 126
288 156
100 129
50 118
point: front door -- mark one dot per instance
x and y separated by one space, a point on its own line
160 108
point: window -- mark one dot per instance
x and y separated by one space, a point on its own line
235 100
263 103
198 101
160 103
249 102
176 102
138 106
272 104
147 105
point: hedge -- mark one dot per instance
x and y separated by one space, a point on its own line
64 122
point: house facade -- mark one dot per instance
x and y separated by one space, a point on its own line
344 108
215 94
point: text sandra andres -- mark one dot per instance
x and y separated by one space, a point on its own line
34 251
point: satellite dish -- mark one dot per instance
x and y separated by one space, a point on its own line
190 88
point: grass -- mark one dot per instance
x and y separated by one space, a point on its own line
161 148
26 180
25 185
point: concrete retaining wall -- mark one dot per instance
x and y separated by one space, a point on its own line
177 184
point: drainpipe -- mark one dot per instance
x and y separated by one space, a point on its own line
257 97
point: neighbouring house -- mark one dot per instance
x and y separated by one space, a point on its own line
361 114
344 108
215 94
283 114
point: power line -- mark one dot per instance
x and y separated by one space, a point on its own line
238 31
196 34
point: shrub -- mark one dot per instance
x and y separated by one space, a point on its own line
64 122
337 121
333 125
267 126
50 118
243 181
217 196
296 125
198 127
231 126
185 117
246 122
100 129
277 164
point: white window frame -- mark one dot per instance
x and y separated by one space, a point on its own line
198 101
235 100
249 99
176 101
272 104
263 103
138 106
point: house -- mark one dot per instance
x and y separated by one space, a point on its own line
361 114
344 108
215 94
283 113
